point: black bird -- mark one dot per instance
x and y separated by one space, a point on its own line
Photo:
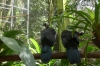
47 41
71 44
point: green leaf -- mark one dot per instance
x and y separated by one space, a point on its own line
80 27
25 54
91 13
33 50
86 48
82 21
11 43
12 33
22 50
86 16
65 62
90 49
83 15
35 43
85 28
75 26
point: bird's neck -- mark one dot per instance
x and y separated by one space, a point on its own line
47 27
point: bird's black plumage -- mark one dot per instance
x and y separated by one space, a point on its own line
47 41
71 43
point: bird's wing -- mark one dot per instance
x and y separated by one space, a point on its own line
49 34
50 37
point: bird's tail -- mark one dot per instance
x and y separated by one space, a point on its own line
73 55
46 54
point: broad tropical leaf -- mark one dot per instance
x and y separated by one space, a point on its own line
12 33
11 43
25 54
23 51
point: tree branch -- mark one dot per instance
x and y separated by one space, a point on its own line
59 55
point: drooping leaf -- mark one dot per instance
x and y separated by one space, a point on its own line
80 27
33 50
25 54
86 16
35 43
91 13
75 26
11 43
12 33
22 50
85 51
82 21
83 15
85 28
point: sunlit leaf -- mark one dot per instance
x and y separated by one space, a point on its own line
91 13
35 43
33 50
90 49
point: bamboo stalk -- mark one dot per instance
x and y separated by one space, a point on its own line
12 12
28 24
59 55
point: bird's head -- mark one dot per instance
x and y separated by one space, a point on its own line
81 33
46 24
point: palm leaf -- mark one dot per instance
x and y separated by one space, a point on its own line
80 27
81 21
91 13
85 28
83 15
